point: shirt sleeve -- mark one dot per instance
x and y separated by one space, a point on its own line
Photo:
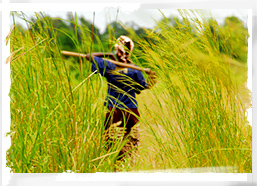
102 66
141 82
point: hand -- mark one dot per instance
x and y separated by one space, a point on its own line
152 79
90 57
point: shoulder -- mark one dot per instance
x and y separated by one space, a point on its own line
98 59
104 63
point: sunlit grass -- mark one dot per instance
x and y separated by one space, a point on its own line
196 114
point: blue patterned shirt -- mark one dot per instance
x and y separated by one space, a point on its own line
123 84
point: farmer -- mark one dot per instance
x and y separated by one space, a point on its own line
123 84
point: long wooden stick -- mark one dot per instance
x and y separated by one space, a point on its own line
75 54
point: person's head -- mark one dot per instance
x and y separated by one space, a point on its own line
123 48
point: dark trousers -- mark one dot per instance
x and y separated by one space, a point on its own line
121 123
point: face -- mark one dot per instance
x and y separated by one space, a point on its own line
122 55
123 48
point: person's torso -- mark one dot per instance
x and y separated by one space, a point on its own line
121 88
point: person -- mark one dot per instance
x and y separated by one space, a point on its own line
123 85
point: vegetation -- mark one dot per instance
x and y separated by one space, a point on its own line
193 117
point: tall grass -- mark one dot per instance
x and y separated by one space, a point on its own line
56 116
195 113
193 117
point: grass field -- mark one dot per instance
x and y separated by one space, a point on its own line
193 117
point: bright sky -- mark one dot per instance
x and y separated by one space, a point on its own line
142 17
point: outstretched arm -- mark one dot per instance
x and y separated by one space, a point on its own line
91 56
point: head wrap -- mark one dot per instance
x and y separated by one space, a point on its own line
124 47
